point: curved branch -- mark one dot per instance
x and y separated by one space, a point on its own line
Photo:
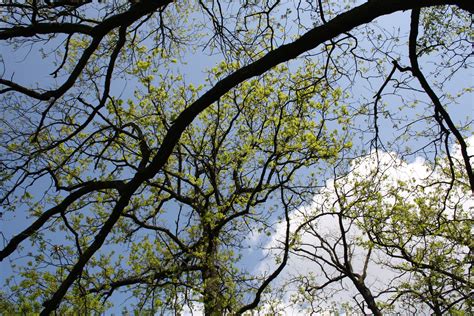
61 207
97 33
415 17
281 266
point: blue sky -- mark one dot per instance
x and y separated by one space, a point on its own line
29 68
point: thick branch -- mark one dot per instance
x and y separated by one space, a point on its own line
45 28
415 17
71 198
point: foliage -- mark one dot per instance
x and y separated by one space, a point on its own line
158 137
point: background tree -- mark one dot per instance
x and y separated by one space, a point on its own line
68 147
388 233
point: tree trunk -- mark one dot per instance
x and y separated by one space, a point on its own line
367 295
213 300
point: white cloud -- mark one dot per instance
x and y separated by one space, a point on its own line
395 171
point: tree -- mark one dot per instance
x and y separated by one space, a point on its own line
387 215
106 167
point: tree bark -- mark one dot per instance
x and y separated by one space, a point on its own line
213 300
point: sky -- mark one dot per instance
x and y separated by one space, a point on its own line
28 67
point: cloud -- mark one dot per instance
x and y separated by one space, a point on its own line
385 171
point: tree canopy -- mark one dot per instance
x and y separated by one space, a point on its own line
152 150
